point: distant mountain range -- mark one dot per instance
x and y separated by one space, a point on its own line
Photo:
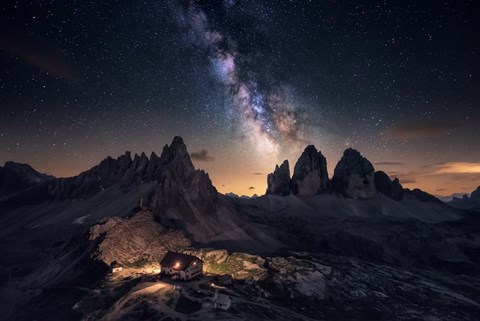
63 233
241 196
448 198
466 202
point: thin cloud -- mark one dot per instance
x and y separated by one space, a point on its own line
38 57
257 173
407 180
452 168
251 188
393 173
456 172
404 178
390 163
420 129
202 156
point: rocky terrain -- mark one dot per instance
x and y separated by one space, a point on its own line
296 287
357 246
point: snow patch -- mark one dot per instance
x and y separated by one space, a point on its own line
81 219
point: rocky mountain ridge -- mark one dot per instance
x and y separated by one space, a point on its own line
354 177
123 171
15 177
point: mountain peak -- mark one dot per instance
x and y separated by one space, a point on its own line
15 177
354 175
26 170
279 181
352 153
475 194
14 165
310 175
176 155
177 140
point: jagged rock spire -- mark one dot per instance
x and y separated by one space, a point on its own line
176 158
279 181
310 175
354 175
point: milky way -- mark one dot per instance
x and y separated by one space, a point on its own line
265 117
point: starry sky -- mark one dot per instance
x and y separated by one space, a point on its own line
246 84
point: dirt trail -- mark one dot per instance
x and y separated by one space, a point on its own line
147 288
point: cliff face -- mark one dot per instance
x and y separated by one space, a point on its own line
354 176
310 175
279 182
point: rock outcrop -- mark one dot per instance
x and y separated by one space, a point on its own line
185 197
175 158
354 176
310 174
279 181
179 184
386 186
140 237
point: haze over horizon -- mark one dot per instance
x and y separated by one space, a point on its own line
246 84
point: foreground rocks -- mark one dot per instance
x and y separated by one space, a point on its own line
134 240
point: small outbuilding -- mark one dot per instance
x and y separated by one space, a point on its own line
223 302
181 266
116 267
219 301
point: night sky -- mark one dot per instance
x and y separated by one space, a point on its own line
246 84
